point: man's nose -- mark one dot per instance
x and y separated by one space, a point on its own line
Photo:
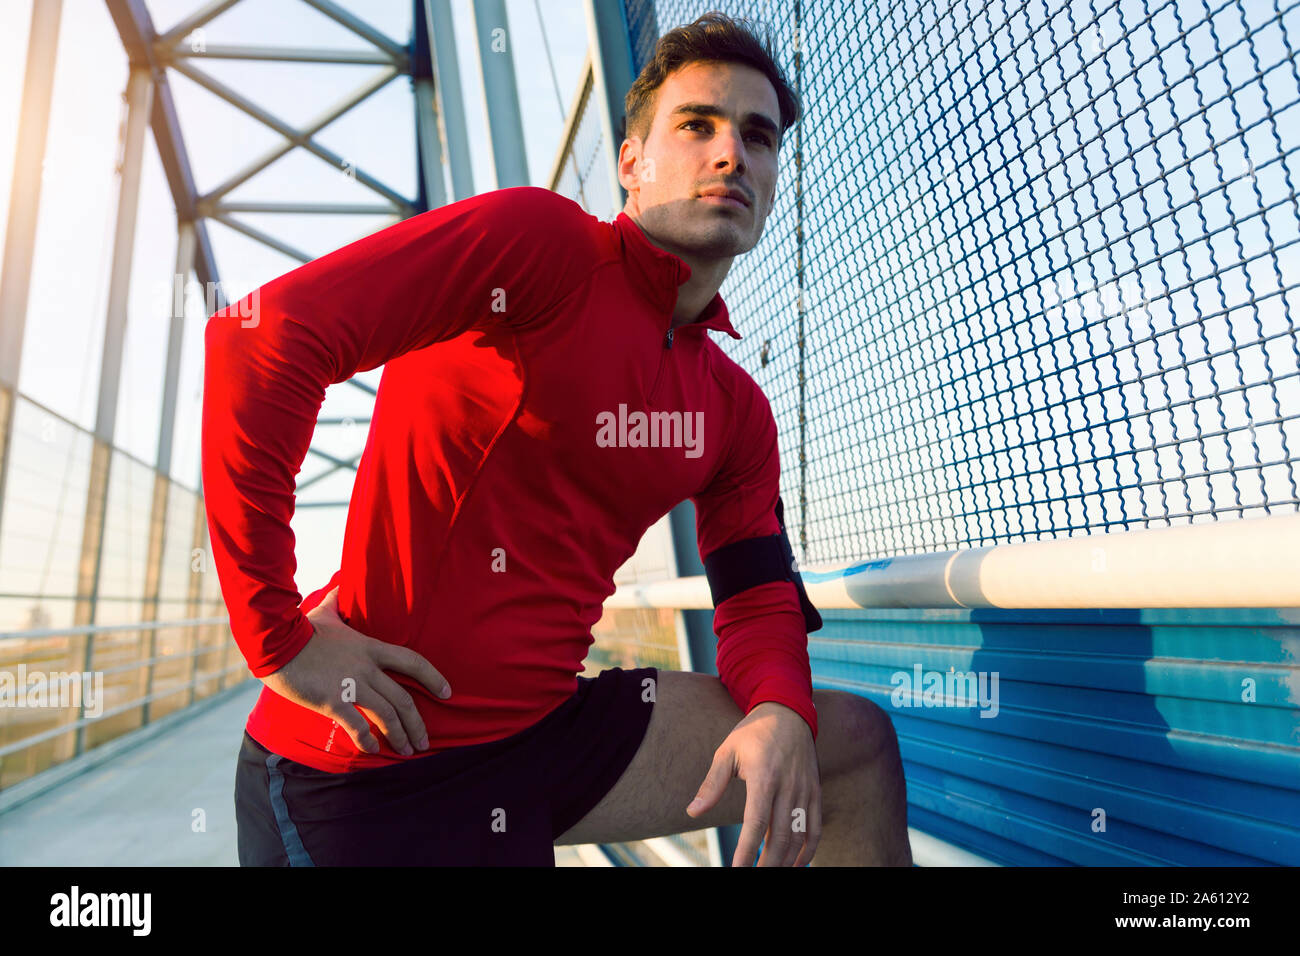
731 152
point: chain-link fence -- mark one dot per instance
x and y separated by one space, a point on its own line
1032 270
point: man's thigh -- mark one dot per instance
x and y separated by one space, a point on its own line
693 714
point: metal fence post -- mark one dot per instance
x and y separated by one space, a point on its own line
138 99
25 203
500 94
451 106
612 73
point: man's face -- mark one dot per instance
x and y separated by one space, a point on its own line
716 127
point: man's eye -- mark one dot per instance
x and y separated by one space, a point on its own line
761 137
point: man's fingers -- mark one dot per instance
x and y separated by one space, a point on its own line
796 825
393 657
384 714
814 834
758 810
350 719
715 784
404 704
780 835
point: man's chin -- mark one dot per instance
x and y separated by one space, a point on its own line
718 239
700 230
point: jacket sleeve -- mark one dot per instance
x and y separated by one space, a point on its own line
762 634
489 261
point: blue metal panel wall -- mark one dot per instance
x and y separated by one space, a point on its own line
1183 726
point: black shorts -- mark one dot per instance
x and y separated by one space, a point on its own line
501 803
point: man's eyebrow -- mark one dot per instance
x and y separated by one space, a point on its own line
761 120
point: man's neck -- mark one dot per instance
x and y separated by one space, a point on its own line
693 295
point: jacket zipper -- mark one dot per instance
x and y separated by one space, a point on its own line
663 359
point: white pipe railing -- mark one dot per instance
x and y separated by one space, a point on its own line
1251 562
90 631
107 628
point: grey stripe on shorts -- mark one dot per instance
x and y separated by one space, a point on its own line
298 855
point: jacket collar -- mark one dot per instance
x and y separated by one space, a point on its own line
659 274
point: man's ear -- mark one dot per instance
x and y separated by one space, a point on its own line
629 155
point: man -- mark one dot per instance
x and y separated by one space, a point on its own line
423 706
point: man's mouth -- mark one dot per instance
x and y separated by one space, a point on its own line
729 200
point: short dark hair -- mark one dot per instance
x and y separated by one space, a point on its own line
713 37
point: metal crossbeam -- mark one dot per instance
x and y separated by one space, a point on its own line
350 209
236 51
362 29
306 132
265 239
301 138
136 30
350 463
147 48
198 18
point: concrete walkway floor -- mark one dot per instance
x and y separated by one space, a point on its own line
168 801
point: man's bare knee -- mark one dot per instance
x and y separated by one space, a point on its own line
853 733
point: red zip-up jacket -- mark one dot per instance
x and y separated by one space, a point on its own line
504 479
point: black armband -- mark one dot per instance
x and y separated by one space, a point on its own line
744 564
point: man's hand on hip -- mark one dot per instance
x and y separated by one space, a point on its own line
772 750
315 679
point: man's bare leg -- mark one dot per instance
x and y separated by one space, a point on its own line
864 801
864 810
